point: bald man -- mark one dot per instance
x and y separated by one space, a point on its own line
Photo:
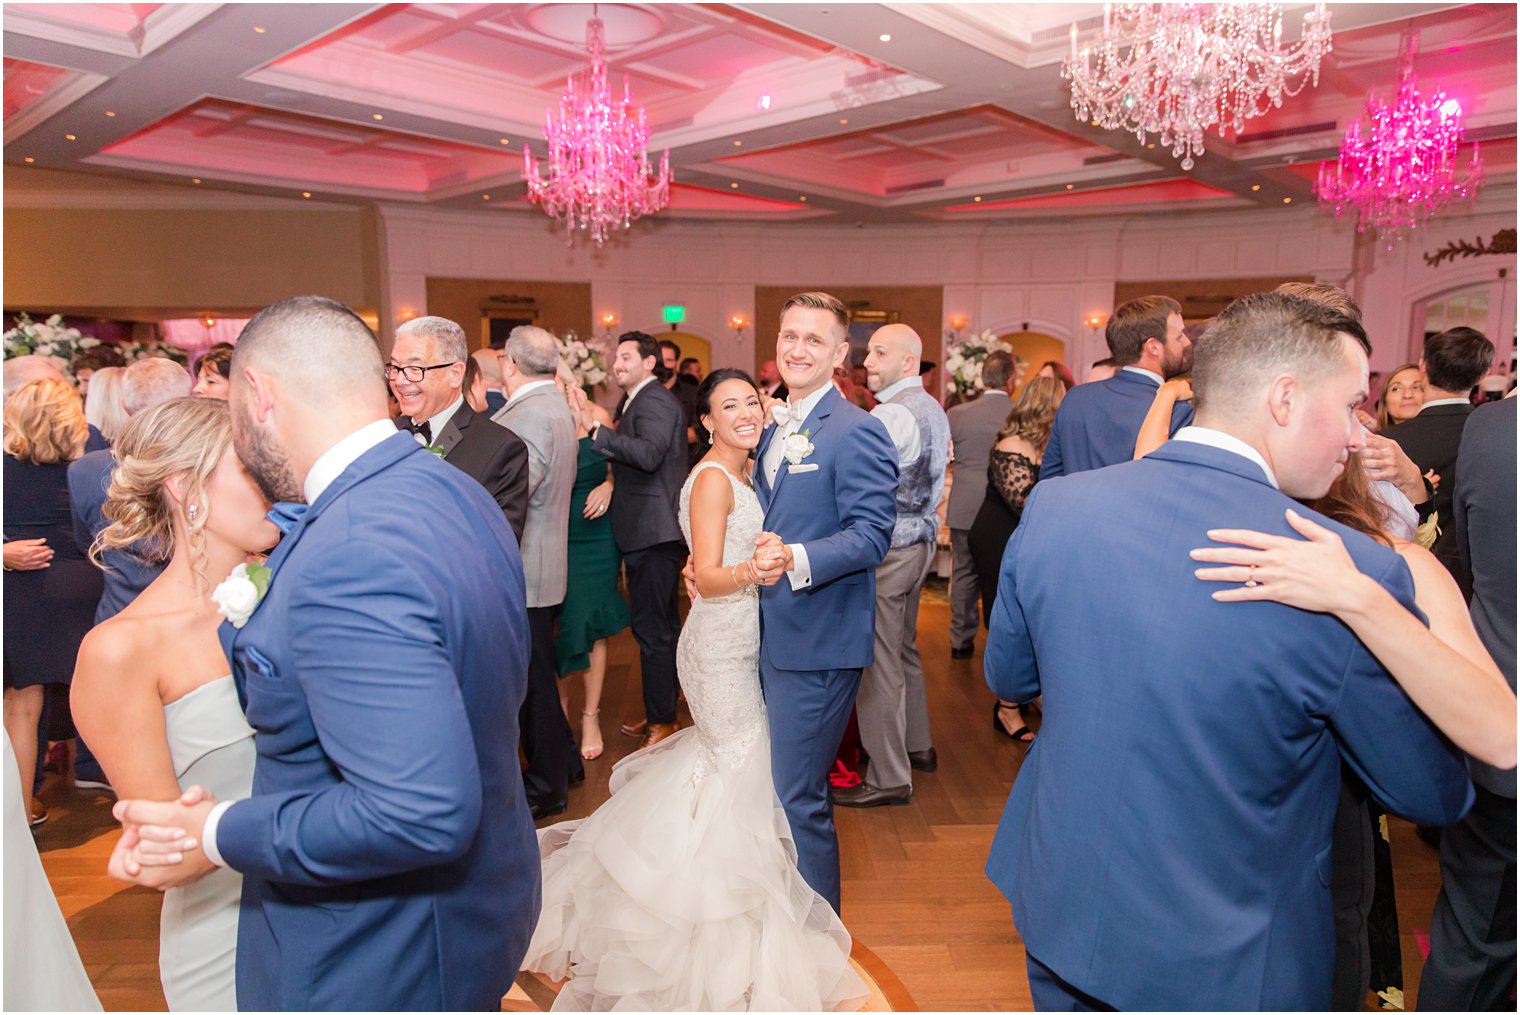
489 361
892 708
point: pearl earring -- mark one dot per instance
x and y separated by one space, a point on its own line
710 438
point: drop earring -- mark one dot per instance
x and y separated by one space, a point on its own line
191 510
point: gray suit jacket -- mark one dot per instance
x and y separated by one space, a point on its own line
544 422
973 431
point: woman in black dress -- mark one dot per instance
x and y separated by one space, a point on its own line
1012 470
49 602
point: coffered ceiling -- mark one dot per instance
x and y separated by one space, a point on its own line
845 112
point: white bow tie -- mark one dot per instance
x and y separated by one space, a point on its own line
781 413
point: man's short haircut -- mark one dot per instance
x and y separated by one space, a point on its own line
23 370
666 343
1107 361
449 337
689 361
488 362
534 350
1332 296
1134 322
1457 358
317 345
1257 338
98 358
648 346
820 301
153 381
997 371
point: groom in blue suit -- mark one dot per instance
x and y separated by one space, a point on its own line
387 854
826 475
1167 841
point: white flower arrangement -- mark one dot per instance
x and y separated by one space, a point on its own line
135 350
585 360
963 362
47 338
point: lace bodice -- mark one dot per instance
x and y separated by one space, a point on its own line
1012 475
718 657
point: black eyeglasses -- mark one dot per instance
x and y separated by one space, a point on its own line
412 373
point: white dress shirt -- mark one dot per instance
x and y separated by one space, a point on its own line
901 426
531 386
801 574
1444 401
438 422
1226 442
1144 373
324 471
632 394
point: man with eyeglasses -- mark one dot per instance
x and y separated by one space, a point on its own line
426 374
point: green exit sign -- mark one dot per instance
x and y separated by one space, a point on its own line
674 313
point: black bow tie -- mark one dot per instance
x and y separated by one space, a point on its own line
425 428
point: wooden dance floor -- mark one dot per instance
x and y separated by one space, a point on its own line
934 933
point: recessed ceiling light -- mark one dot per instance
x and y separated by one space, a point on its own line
843 121
977 199
735 186
195 179
1255 186
376 116
505 140
305 193
763 102
738 144
800 197
1069 186
1287 200
485 197
30 159
259 28
885 37
1095 123
69 137
110 112
1151 146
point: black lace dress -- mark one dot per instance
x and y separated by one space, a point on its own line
1010 477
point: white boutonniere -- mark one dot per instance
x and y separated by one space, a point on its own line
797 447
238 596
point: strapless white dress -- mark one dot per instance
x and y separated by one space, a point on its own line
211 744
681 892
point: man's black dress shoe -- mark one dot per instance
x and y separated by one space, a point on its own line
870 796
962 653
923 761
542 811
576 778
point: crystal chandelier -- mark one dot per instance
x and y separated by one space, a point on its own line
1404 168
1178 70
598 168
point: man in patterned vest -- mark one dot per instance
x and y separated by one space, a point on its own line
892 708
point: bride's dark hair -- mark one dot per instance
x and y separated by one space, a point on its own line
704 396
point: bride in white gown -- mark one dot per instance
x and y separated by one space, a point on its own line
151 693
681 892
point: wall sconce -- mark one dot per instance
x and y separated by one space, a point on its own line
609 321
958 323
1094 321
738 322
407 314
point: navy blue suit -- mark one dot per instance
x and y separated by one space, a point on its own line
1097 424
388 857
1167 841
127 573
815 641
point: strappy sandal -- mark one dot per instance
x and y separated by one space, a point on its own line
1023 734
591 753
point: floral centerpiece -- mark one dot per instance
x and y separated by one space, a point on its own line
585 361
963 362
136 349
48 338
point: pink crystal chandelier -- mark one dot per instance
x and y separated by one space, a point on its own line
1404 168
598 167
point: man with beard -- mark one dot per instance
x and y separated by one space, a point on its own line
1097 423
387 854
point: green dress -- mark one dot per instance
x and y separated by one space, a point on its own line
593 609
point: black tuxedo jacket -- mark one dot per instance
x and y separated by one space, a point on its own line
648 454
1431 441
492 455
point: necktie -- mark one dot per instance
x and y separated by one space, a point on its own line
285 514
617 413
425 428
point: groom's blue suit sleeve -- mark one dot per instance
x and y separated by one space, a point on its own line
386 705
865 493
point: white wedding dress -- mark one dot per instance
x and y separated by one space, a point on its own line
681 892
211 745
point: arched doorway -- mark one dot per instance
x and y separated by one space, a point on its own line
692 347
1032 349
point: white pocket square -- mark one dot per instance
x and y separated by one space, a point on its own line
791 469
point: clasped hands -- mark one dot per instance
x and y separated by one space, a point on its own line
772 559
160 844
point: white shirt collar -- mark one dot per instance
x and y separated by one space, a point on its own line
995 391
637 388
1144 373
530 386
891 391
336 459
801 410
1444 401
1226 442
438 422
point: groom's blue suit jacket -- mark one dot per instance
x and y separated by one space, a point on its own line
1167 841
388 856
840 504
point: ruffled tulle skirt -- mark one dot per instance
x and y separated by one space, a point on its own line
681 893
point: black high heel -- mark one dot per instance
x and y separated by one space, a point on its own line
1017 735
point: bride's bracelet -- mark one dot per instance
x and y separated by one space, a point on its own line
733 573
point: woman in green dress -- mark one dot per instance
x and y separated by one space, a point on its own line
593 609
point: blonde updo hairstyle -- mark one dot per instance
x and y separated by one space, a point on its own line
44 423
181 437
